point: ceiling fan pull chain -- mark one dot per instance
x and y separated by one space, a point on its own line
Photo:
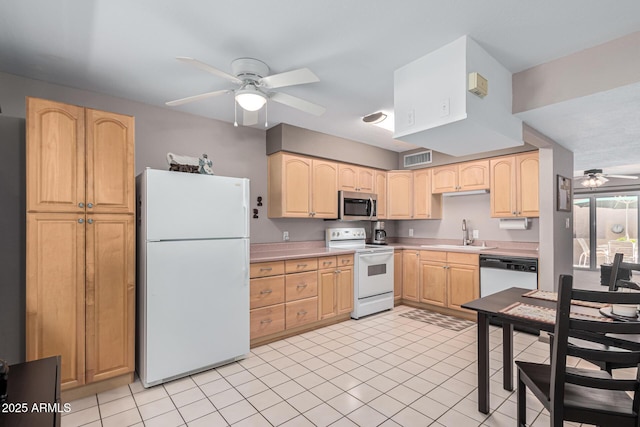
235 112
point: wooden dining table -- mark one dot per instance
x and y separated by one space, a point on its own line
491 308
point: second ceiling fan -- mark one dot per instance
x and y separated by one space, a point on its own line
254 87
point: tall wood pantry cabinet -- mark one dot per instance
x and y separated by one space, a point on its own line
80 241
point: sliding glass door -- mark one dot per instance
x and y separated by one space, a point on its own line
604 224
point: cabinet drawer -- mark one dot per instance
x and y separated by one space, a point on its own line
268 320
433 256
262 269
344 260
301 312
327 262
267 291
300 265
461 258
301 285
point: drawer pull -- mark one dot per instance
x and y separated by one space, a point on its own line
345 261
302 265
301 286
326 263
302 312
266 268
266 291
262 322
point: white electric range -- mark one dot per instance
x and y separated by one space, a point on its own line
373 270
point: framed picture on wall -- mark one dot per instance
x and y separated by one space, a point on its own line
564 194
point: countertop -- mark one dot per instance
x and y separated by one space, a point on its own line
266 252
498 251
295 253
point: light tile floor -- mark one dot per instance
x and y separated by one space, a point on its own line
383 370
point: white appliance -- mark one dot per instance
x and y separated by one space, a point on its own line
373 270
498 273
193 273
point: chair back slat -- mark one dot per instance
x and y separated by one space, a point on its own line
618 356
601 383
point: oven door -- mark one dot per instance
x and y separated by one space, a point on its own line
357 206
374 273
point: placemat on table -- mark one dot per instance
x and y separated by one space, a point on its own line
553 296
543 314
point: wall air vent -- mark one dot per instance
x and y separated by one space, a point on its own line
417 159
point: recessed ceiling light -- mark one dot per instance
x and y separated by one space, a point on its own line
374 118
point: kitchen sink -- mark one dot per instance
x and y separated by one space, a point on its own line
459 247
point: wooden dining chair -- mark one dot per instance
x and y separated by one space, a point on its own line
589 396
615 280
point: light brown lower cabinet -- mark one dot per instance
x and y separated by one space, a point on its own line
299 292
410 274
397 275
449 279
81 294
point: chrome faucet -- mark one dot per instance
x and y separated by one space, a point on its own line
465 234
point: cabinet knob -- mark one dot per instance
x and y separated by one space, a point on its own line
514 212
302 312
90 221
89 205
81 205
80 220
338 271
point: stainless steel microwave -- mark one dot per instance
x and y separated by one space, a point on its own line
354 206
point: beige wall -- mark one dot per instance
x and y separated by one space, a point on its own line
290 138
556 243
597 69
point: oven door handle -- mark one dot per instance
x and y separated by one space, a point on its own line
386 256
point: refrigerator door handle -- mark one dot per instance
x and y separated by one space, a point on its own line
246 265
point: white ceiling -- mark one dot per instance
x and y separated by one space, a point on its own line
127 48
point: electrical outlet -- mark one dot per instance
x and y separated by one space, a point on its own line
411 117
285 236
476 234
411 232
444 107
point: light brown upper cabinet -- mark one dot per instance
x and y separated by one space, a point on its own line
425 204
79 159
399 195
381 191
514 186
356 178
301 187
460 177
80 241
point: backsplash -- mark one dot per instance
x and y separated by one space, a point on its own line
476 210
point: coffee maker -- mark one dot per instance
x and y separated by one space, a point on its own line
379 236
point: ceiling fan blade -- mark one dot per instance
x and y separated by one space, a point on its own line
289 78
249 118
621 176
208 68
196 97
298 103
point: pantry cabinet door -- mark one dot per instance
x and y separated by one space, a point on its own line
55 292
110 162
110 296
55 157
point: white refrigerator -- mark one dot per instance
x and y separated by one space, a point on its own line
193 273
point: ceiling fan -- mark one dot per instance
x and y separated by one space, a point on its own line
595 178
254 87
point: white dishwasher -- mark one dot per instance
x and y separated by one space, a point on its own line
498 273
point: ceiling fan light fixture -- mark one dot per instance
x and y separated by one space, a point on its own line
593 181
250 98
